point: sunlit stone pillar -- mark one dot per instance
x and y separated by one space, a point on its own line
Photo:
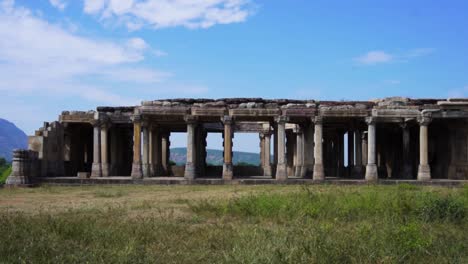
350 150
190 166
371 168
424 170
145 161
156 151
137 172
267 153
299 170
104 149
165 152
96 167
281 169
227 164
319 173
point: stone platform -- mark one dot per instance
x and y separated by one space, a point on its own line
242 181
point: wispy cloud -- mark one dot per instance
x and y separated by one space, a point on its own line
168 13
59 4
374 57
381 57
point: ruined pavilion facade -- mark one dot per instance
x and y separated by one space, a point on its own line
391 138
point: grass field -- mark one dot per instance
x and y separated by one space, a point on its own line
234 224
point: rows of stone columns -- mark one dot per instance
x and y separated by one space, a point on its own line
151 149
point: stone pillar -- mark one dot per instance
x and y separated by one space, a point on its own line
341 168
267 154
308 150
424 170
350 150
299 171
275 145
227 164
23 166
371 168
96 167
145 161
190 166
261 136
104 149
137 172
357 169
156 151
406 171
165 153
319 174
364 148
281 169
115 150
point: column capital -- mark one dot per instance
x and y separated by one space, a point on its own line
424 120
227 120
190 119
95 123
370 120
281 119
317 120
136 118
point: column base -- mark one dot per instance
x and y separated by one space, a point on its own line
96 170
371 172
227 171
137 172
105 169
319 173
267 171
424 173
17 180
189 173
146 170
281 172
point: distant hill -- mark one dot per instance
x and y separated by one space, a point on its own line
11 137
215 156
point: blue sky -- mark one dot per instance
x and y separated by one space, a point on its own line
75 55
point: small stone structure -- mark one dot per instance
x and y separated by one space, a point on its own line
24 167
391 138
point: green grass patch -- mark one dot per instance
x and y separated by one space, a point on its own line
4 173
315 224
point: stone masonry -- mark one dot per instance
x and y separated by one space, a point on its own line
391 138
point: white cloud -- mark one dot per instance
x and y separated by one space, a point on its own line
374 57
380 57
59 4
135 14
46 68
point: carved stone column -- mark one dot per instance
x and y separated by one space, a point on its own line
96 167
137 172
190 166
319 174
156 151
424 170
227 164
308 150
350 150
357 169
407 170
364 148
266 153
299 170
281 169
145 161
371 168
104 149
165 153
